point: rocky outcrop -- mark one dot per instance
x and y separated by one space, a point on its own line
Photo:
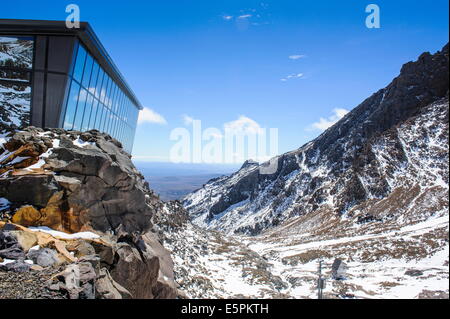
86 182
73 182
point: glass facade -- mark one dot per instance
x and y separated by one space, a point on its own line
95 101
16 64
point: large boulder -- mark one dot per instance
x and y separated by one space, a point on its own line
86 182
43 257
144 268
107 288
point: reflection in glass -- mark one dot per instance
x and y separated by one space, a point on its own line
94 77
99 103
16 61
87 71
79 64
71 106
98 89
80 110
87 113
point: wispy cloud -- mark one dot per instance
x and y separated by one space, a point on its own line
188 120
227 17
243 124
297 56
245 16
149 116
293 76
324 124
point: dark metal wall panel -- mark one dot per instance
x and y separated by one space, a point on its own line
53 61
40 53
38 87
56 89
60 53
37 103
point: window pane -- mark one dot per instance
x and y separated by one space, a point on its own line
98 89
16 58
93 115
93 84
113 96
98 118
87 113
105 117
16 52
105 85
80 110
71 108
108 93
79 65
20 76
119 98
122 106
87 72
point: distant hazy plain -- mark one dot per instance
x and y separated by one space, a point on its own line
174 181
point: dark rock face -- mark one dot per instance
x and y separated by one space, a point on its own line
143 263
75 182
337 166
102 189
39 189
107 288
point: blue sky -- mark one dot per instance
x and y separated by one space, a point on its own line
219 60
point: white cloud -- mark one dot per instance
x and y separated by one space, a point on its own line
293 76
297 56
243 124
245 16
227 17
324 124
149 116
188 120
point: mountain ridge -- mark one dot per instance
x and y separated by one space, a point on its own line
345 148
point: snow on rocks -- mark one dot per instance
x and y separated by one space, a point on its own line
58 234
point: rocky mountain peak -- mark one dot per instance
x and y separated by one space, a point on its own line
249 163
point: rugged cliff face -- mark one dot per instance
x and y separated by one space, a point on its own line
72 183
377 150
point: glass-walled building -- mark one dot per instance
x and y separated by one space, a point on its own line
51 76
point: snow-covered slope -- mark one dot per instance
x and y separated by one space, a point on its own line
383 260
386 160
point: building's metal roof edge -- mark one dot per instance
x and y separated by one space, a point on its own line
85 33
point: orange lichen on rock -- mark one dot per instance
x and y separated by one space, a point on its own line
27 216
53 216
